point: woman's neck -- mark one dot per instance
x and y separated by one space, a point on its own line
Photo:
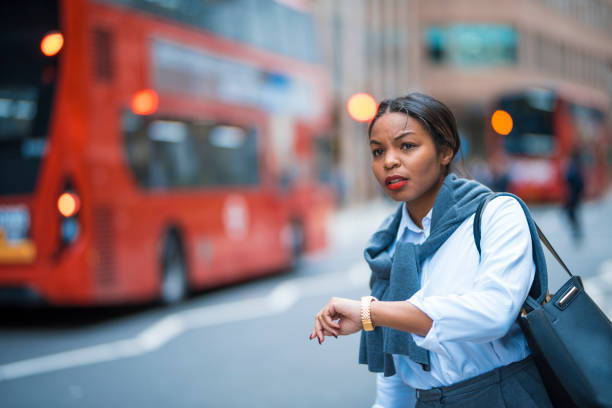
420 206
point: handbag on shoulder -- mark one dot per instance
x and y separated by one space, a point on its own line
569 336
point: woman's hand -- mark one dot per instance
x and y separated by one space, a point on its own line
339 317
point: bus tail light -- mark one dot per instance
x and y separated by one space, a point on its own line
52 43
68 205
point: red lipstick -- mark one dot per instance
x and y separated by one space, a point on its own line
395 182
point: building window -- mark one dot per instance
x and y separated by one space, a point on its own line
465 45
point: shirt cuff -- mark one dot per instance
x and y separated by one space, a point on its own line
429 341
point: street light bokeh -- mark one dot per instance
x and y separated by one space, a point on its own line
145 102
502 122
361 107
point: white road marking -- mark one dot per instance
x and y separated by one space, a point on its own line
284 296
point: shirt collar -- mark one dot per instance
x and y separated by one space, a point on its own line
406 222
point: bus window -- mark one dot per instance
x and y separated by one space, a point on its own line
27 85
228 155
588 122
166 153
532 133
267 24
173 163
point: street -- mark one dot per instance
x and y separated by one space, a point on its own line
243 345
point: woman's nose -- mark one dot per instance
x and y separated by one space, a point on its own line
391 161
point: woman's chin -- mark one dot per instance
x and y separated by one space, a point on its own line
398 195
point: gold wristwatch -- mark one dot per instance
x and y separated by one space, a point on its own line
366 319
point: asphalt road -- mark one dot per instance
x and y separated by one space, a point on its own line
244 345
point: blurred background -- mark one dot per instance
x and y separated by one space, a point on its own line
185 183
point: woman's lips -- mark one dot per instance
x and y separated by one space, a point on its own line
395 182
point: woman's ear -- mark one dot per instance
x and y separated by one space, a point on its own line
446 155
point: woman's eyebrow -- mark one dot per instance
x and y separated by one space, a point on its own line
404 133
375 142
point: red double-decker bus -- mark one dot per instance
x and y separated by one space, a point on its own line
149 147
545 128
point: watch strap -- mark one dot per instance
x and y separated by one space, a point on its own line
366 318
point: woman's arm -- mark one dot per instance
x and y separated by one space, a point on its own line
343 316
401 315
486 311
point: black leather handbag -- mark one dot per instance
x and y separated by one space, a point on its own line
570 339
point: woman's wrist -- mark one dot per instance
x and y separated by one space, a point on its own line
373 313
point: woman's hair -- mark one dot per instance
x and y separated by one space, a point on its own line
433 115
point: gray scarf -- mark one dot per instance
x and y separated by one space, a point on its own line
398 278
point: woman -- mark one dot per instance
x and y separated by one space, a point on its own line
442 316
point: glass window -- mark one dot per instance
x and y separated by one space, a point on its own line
263 23
27 92
532 114
323 159
588 122
227 154
475 45
168 153
435 44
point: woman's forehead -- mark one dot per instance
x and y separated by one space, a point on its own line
395 122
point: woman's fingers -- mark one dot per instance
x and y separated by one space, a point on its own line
326 321
320 331
326 326
328 315
317 330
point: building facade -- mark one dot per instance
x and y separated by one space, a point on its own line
464 52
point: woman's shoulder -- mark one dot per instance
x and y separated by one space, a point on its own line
503 213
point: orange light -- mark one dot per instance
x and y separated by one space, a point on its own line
51 44
68 204
502 122
145 102
361 107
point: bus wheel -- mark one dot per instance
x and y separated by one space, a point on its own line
173 287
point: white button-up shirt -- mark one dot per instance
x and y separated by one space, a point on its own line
473 301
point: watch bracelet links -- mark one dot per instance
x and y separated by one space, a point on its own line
366 317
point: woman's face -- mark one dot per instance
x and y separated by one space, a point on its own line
404 158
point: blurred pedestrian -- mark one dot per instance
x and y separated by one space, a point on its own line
442 318
500 176
574 177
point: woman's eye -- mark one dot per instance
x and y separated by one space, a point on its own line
407 146
377 152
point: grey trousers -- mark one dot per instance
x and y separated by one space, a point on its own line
515 385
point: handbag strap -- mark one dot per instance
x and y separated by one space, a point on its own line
543 239
551 249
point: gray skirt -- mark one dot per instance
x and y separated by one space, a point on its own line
515 385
